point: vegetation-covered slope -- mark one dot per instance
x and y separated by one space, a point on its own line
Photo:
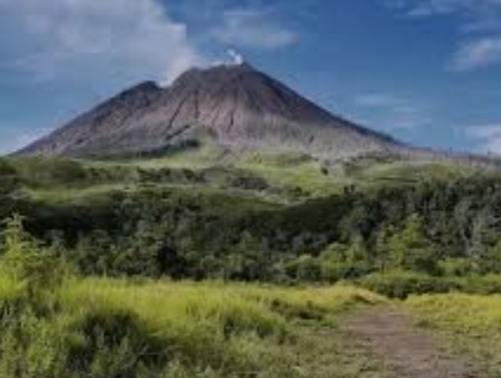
259 217
391 227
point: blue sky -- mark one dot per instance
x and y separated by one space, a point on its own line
425 71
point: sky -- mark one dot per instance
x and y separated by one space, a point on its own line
427 72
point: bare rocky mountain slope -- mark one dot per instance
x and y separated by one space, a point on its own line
240 106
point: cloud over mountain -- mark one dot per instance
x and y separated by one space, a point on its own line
80 38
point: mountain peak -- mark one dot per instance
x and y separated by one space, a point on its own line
242 65
220 68
145 86
242 106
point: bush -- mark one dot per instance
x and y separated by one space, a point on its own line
458 267
342 262
401 284
8 177
6 168
305 268
484 285
25 261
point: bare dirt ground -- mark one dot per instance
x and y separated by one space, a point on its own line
391 335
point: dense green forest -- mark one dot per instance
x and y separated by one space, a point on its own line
433 227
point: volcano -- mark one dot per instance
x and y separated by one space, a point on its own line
241 107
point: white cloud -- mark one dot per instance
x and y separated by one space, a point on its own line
129 39
480 20
477 54
392 112
253 28
472 8
487 137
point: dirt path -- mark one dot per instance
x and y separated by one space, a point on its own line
392 336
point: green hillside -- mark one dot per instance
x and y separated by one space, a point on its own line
283 218
279 252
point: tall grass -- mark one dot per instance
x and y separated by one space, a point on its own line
460 312
117 328
470 324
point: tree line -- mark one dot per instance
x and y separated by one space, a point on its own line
436 228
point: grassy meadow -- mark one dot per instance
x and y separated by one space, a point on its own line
103 327
116 328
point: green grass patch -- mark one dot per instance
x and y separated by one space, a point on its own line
470 325
410 173
114 328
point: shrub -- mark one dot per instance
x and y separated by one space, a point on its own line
411 249
401 284
305 268
8 177
24 260
458 267
484 285
340 262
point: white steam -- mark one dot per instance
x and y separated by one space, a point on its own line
237 59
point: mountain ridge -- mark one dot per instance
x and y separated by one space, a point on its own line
242 106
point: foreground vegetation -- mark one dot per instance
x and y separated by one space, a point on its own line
54 324
106 328
181 216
